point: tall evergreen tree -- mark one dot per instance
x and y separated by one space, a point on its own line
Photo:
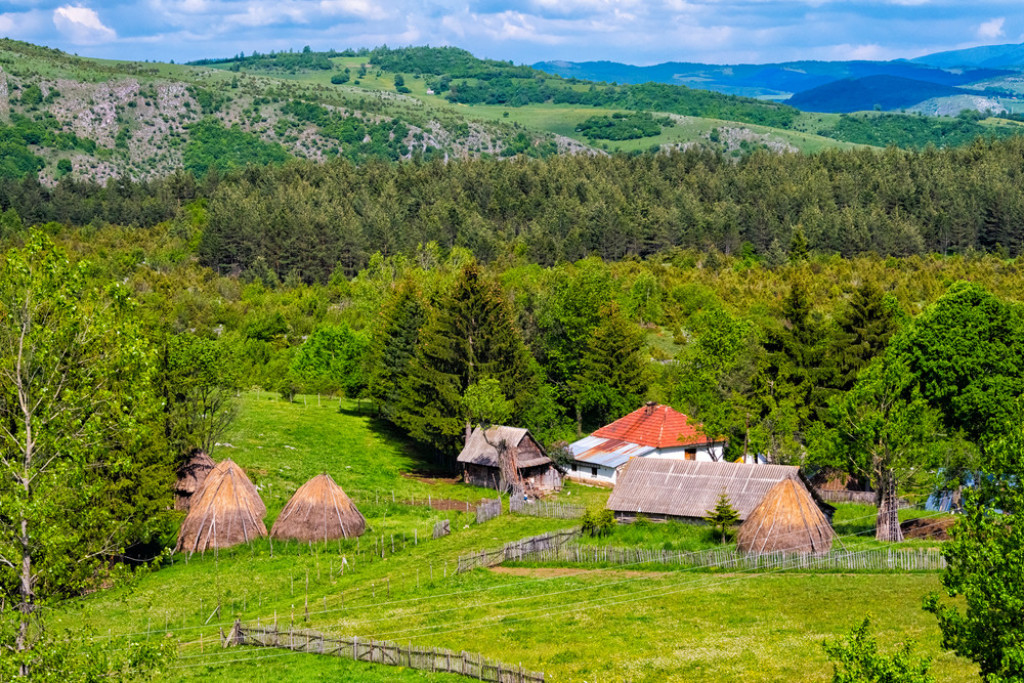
862 332
787 387
470 336
394 346
613 378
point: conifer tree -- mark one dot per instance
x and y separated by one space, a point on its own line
394 346
612 379
469 336
722 517
799 248
862 333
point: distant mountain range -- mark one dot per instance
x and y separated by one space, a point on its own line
987 56
842 86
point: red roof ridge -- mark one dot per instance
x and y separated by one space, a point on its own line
657 426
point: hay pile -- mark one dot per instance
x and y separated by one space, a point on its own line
191 477
787 520
227 511
319 511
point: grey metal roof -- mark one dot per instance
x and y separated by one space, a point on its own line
478 451
595 450
688 488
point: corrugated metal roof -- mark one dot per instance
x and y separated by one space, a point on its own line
687 488
655 425
478 451
594 450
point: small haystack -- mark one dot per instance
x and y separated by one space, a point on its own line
787 520
319 511
227 511
191 476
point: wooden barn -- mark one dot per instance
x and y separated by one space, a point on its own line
686 489
481 461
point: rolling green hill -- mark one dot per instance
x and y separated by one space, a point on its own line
67 116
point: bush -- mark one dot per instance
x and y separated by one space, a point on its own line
598 523
855 659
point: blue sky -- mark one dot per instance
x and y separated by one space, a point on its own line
633 31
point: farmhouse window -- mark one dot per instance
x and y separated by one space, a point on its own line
593 471
574 467
691 454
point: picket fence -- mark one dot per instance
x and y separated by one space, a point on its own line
383 652
919 559
543 508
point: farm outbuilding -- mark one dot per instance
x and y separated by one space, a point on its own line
652 431
686 490
191 476
481 461
788 520
319 511
226 512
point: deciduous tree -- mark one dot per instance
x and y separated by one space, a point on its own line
75 387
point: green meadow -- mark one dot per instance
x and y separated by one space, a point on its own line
573 623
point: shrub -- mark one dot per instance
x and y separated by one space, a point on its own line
598 523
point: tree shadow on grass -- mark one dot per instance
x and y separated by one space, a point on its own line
426 461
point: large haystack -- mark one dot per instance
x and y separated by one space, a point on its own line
227 511
787 520
319 511
191 476
228 464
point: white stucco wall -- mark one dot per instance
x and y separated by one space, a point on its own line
598 473
705 452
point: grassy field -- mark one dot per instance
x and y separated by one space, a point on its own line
572 623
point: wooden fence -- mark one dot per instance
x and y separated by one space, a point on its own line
543 508
516 550
920 559
384 652
488 509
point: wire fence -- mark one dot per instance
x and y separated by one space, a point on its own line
383 652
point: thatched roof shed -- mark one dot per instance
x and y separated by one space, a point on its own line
227 511
481 447
663 488
319 511
191 477
787 520
483 464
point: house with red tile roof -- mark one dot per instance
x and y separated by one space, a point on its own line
653 431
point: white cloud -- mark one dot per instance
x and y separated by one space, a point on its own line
82 26
990 30
22 24
363 9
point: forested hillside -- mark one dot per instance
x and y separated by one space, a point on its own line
71 117
310 221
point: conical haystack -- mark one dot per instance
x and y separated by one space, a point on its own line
191 476
227 464
319 511
227 511
787 520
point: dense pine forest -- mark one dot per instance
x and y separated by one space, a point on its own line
311 221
